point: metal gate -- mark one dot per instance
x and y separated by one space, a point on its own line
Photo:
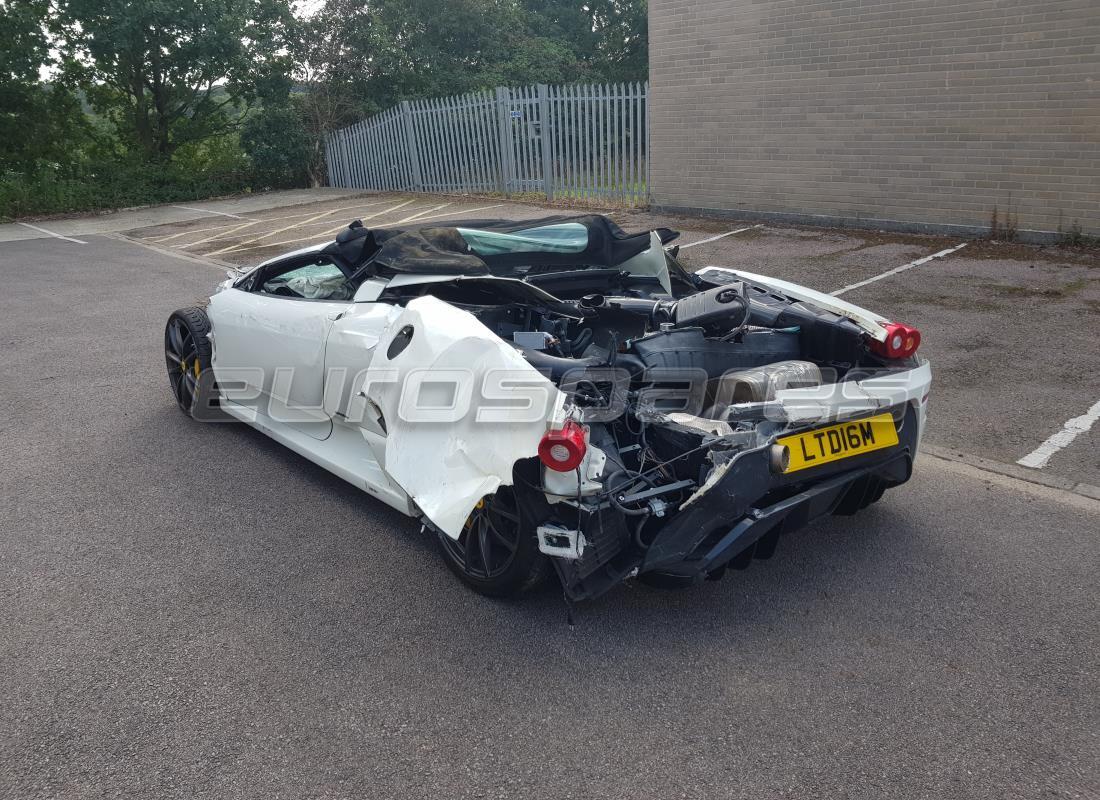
582 142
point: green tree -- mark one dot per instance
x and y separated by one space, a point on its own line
622 34
279 146
169 73
38 122
25 46
333 57
609 38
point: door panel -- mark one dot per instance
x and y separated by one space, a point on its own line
275 346
351 345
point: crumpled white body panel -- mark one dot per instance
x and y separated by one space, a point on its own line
447 460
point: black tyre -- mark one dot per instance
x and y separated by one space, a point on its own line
497 553
187 352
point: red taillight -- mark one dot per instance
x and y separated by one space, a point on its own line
901 341
563 450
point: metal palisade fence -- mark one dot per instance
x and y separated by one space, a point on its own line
584 142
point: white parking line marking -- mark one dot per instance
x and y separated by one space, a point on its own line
171 236
223 232
265 219
459 211
206 262
208 211
417 216
251 244
1038 458
715 238
245 245
420 214
902 268
51 233
341 226
276 232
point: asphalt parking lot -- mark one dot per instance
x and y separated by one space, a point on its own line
194 611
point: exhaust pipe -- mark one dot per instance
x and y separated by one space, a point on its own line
779 457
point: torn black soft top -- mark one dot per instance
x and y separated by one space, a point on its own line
431 249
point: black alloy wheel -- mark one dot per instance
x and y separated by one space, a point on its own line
496 553
187 352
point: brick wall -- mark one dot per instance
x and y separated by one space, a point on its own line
913 111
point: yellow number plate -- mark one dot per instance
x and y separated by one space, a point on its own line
814 448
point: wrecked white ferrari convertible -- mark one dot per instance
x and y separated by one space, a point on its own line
557 393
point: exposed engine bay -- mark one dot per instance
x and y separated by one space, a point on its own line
667 391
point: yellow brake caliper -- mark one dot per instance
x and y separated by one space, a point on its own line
470 519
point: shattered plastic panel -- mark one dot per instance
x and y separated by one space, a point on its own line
466 406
